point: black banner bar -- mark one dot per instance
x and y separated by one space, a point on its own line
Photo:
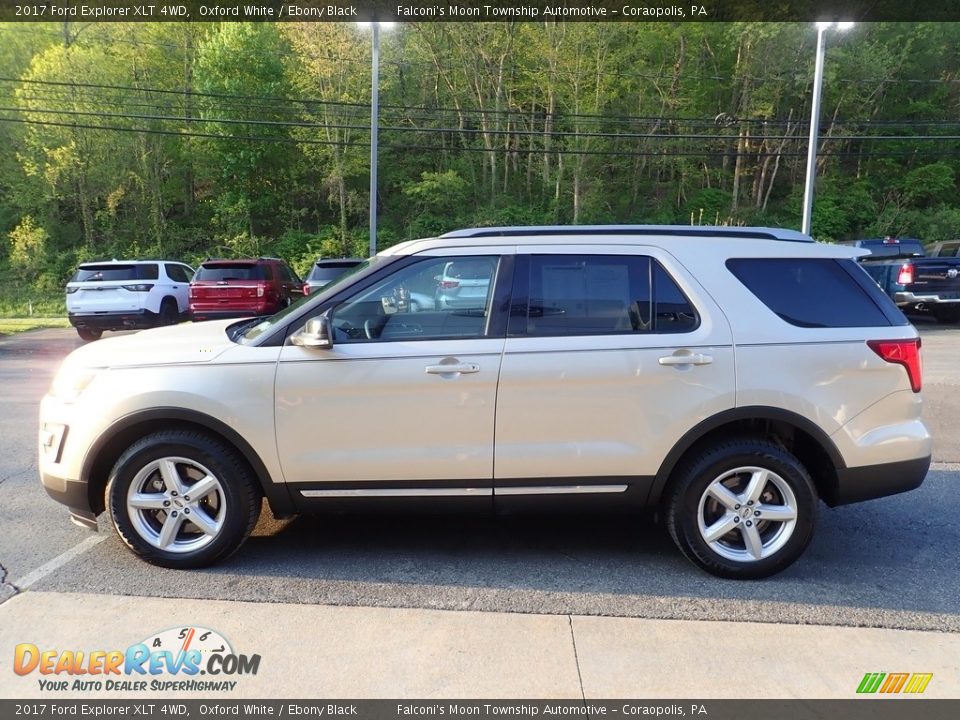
478 10
873 708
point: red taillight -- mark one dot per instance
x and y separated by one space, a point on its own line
261 290
906 274
306 288
448 284
901 352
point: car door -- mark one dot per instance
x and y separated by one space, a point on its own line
403 403
612 354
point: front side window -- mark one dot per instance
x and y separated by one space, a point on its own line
426 300
604 295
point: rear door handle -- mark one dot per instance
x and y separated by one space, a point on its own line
462 368
692 359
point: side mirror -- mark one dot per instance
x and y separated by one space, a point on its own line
316 334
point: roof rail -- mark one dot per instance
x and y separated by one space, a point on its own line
758 233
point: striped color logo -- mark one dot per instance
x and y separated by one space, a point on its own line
889 683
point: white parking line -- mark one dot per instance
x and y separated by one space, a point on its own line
31 578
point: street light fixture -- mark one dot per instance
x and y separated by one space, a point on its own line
822 28
374 125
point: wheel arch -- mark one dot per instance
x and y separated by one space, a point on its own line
800 436
104 453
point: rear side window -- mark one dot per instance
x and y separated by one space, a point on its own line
604 295
114 271
226 272
816 292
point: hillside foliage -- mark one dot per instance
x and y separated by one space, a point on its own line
189 140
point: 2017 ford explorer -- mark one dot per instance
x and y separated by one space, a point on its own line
731 377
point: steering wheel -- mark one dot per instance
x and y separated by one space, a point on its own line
347 329
368 328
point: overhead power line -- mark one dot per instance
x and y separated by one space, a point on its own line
562 134
456 149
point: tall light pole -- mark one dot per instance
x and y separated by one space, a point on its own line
374 126
822 28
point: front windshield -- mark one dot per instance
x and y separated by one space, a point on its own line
247 332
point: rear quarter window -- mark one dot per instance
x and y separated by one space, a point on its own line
817 292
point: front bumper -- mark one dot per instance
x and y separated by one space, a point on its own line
74 494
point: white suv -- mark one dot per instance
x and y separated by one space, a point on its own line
126 294
729 377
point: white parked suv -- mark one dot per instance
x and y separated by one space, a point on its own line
730 377
126 294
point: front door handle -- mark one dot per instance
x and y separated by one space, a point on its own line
691 359
452 368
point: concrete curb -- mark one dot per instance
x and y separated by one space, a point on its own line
316 651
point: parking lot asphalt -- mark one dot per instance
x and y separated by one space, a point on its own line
890 564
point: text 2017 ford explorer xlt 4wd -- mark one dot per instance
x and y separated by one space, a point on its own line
730 377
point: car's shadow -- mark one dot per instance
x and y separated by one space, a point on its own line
891 562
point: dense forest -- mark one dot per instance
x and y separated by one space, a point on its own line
189 140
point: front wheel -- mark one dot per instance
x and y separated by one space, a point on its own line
181 499
744 508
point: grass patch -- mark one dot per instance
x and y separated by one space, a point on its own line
8 326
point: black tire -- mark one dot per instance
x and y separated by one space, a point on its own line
947 315
691 511
233 507
89 334
169 312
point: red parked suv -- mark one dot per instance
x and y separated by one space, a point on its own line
242 288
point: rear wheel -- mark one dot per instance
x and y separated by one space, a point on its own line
182 499
948 314
89 334
744 508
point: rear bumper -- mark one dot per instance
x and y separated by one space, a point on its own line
909 299
875 481
113 320
201 315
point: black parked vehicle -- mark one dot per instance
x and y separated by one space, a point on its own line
914 281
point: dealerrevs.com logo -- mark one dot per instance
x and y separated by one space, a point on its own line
169 661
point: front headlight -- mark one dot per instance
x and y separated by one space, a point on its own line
70 382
